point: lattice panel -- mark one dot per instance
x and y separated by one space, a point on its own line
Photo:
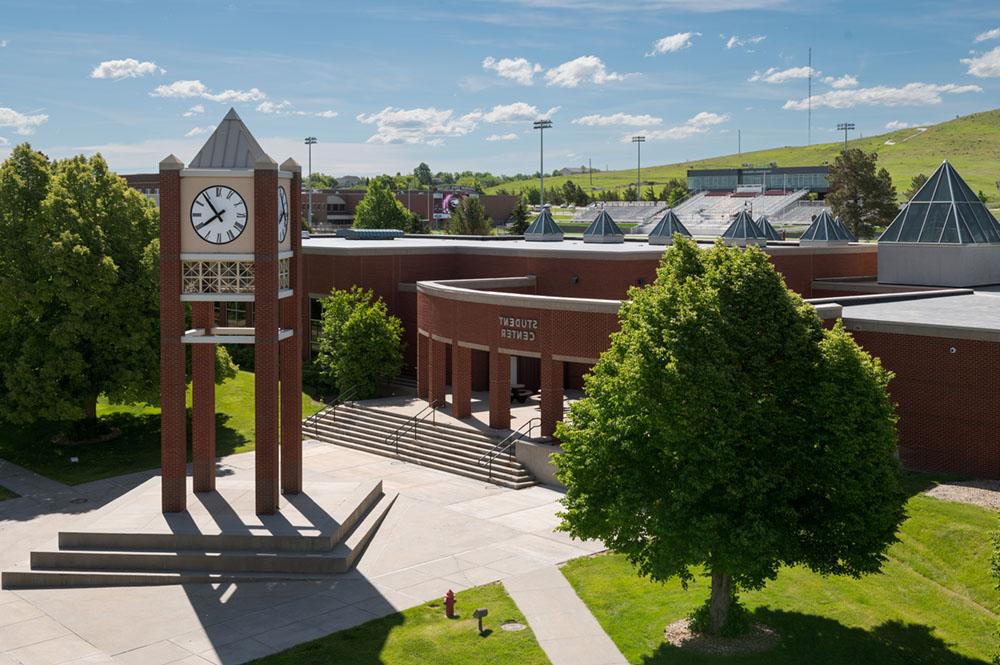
217 277
284 273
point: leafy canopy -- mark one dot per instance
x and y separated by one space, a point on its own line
726 429
860 194
360 344
380 209
470 218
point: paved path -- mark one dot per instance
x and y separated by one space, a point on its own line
566 630
26 483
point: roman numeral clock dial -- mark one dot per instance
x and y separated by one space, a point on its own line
219 214
282 214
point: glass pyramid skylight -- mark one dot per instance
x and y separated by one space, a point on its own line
826 229
544 228
663 232
767 229
944 211
744 229
603 229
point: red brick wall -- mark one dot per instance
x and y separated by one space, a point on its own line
949 403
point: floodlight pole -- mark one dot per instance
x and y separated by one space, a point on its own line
638 141
541 126
310 141
844 127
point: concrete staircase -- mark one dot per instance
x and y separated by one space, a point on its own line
437 445
132 558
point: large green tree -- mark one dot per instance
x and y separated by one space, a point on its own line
380 209
360 344
423 174
470 218
519 222
861 194
726 430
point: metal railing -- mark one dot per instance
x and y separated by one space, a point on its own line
429 411
507 444
342 398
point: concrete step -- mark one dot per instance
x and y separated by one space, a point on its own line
441 431
49 579
385 416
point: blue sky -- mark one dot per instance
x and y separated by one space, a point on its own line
385 85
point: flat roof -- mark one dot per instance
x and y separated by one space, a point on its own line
564 249
970 316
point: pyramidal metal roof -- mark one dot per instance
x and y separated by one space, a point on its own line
665 229
743 229
603 229
826 229
231 146
843 227
769 231
944 211
544 228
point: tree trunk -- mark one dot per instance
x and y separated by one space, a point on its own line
721 601
90 408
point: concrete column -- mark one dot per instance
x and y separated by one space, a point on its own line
266 361
499 390
290 350
437 371
422 365
552 395
461 381
203 401
173 418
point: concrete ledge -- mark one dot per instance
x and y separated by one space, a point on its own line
537 459
446 289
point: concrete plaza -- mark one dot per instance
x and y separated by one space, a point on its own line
444 532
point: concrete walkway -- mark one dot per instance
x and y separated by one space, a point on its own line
566 630
26 483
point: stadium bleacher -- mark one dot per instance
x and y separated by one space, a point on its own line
708 213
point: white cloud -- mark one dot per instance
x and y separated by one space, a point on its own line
197 109
198 131
23 123
698 124
617 119
519 70
326 114
517 112
195 88
673 43
735 41
418 125
3 43
911 94
4 141
502 137
585 69
127 68
775 75
986 65
988 35
898 124
282 107
839 83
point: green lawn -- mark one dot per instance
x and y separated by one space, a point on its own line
138 448
934 603
969 142
423 635
6 494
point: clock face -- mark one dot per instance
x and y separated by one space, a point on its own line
219 214
282 214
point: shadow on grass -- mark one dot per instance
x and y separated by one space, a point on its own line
915 482
818 640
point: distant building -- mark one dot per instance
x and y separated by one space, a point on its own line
760 179
145 183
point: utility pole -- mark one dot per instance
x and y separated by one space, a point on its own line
590 168
541 126
844 127
810 102
638 141
310 141
739 145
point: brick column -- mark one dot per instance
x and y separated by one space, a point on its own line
265 237
422 365
437 371
552 395
499 390
291 348
203 401
461 381
173 418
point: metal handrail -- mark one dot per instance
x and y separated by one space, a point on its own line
411 423
508 443
342 398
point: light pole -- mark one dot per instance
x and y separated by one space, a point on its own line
638 141
844 127
541 126
310 141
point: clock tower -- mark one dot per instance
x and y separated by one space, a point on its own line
230 232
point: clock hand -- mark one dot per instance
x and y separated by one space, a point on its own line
218 215
209 202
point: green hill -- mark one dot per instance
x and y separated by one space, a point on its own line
971 143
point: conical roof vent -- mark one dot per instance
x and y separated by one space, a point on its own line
663 232
825 230
944 211
603 229
231 146
769 231
744 231
544 228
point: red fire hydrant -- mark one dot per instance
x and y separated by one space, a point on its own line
449 604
